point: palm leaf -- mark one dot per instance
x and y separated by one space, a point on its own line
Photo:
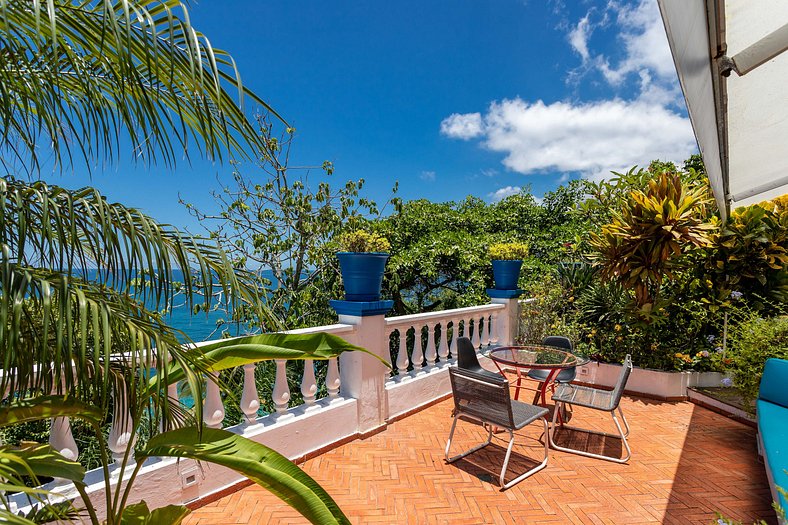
45 407
257 462
102 70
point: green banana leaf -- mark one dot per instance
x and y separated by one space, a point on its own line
38 460
140 514
264 466
45 407
7 517
230 353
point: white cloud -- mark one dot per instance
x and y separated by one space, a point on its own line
591 138
489 172
464 127
502 193
578 37
428 176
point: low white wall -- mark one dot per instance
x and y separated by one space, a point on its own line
408 392
666 385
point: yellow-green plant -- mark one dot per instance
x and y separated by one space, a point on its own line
508 251
642 244
363 242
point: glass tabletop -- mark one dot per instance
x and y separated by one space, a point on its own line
536 356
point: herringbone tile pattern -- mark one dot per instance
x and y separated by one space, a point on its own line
687 464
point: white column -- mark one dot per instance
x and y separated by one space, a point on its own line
485 330
508 320
494 328
121 433
332 378
308 383
363 376
402 353
213 408
281 394
418 351
430 354
443 346
250 399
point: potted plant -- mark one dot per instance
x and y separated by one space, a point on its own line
362 260
507 258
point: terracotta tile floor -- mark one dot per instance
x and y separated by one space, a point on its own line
687 464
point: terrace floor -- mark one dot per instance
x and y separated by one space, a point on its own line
687 464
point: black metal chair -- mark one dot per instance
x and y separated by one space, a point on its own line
468 360
484 398
597 399
564 376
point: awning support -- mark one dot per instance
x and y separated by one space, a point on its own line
758 53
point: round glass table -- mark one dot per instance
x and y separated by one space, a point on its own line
534 357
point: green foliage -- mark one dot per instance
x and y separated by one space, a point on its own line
140 514
360 241
753 342
508 251
649 231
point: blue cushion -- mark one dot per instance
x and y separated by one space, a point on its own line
773 428
774 381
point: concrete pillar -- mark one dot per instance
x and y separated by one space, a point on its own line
509 319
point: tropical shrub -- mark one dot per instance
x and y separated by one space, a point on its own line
752 342
508 251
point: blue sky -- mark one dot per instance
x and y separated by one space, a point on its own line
449 98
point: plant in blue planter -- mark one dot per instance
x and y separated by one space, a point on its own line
507 259
361 263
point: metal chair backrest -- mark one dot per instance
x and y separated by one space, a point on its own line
558 341
482 397
466 355
618 391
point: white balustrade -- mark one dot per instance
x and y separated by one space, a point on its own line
332 378
281 395
402 354
213 408
62 440
476 339
418 351
308 383
485 327
443 346
430 354
494 328
250 399
121 434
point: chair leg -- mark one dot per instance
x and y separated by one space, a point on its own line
474 449
531 472
622 435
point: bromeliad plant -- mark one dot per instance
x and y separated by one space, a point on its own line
508 251
360 241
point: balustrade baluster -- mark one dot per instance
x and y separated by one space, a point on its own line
213 408
281 396
443 346
476 339
62 440
486 331
250 399
430 353
418 351
308 383
402 353
121 433
332 378
494 329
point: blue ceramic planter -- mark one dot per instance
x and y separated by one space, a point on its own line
362 274
506 274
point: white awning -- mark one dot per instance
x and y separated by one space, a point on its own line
733 70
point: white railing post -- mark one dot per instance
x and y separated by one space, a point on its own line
443 346
494 328
430 354
476 339
332 378
281 395
402 353
485 341
213 408
250 399
308 383
62 440
418 350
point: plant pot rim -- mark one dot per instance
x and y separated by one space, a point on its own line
507 259
363 253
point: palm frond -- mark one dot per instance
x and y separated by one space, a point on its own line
75 77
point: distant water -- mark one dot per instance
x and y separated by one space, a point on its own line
198 327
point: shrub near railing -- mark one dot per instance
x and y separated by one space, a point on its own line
756 340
